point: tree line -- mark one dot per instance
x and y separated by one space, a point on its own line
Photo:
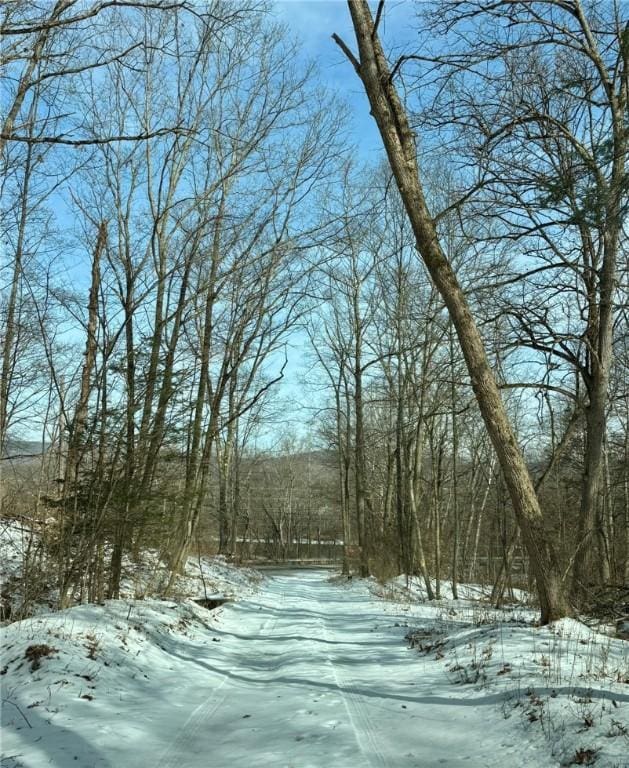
464 299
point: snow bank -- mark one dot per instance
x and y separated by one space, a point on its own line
72 678
75 681
566 682
203 577
28 589
416 589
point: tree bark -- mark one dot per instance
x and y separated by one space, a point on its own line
359 463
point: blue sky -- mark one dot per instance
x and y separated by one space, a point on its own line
314 21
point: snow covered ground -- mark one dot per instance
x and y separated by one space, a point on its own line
22 562
310 672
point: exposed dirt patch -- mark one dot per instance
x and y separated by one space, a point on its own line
211 602
35 653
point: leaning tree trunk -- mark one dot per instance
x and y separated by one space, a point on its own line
392 121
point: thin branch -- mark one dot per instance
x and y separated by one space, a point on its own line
8 701
341 44
539 386
61 139
90 13
377 21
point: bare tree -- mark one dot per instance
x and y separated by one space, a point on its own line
372 68
547 129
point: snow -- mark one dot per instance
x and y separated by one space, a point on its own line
148 576
310 671
20 550
203 577
414 588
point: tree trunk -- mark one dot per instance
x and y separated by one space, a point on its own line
359 463
455 488
79 422
11 307
413 486
77 563
225 454
592 472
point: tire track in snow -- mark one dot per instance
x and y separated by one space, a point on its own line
264 630
366 735
202 714
198 718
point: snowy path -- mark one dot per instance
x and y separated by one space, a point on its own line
306 673
310 674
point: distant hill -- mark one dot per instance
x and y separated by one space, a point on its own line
19 449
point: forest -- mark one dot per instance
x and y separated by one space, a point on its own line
227 328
